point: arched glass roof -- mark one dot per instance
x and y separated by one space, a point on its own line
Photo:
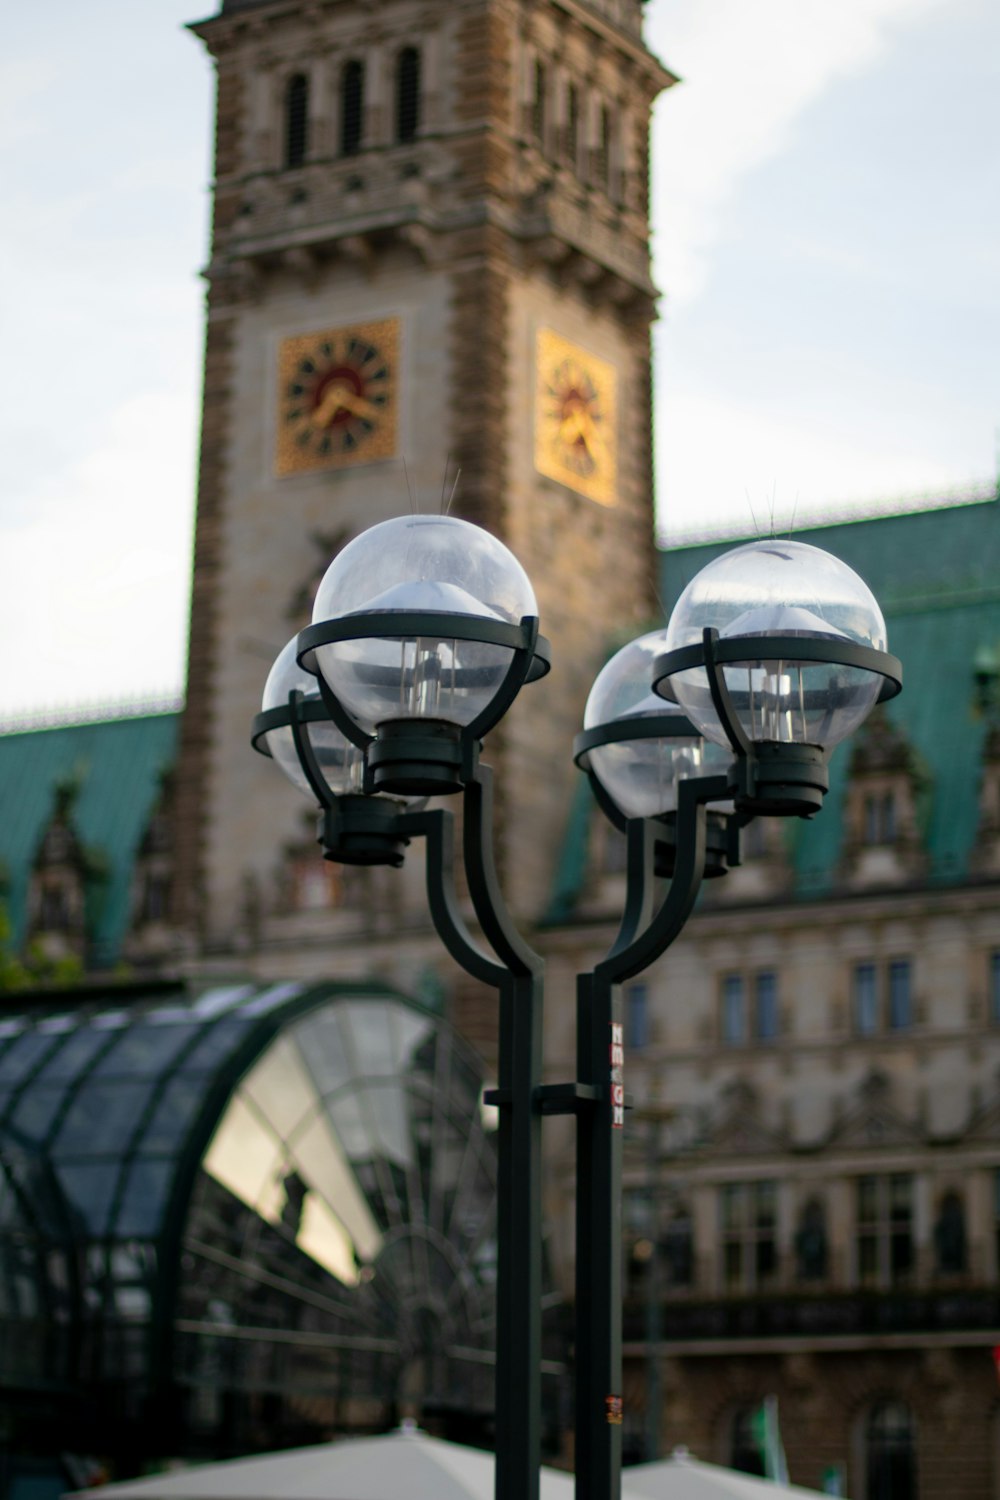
256 1189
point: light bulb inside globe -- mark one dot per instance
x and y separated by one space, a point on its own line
813 687
467 589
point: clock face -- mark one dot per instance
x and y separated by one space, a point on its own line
337 397
575 418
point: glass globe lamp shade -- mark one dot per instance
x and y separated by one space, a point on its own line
436 565
639 775
792 590
341 763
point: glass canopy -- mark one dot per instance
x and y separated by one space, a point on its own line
262 1190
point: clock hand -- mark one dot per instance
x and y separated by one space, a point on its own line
339 396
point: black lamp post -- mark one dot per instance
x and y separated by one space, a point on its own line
425 629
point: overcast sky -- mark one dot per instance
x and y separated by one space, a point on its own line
827 235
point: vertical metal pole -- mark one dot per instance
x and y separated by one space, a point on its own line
519 1234
599 1243
654 1321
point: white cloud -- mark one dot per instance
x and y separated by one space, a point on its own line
752 71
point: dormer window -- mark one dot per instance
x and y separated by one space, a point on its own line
57 893
407 94
887 788
296 120
352 107
880 818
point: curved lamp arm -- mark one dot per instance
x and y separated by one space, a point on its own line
510 947
437 827
642 939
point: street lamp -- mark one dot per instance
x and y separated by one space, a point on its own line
424 631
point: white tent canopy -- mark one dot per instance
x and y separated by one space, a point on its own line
403 1463
411 1464
685 1478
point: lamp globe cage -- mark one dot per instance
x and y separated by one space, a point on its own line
801 645
424 629
292 709
637 746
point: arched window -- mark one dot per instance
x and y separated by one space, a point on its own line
407 94
352 107
744 1447
890 1452
296 120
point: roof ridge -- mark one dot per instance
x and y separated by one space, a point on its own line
67 716
913 503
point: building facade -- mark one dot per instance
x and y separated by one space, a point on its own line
813 1176
429 273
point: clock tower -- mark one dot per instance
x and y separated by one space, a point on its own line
429 259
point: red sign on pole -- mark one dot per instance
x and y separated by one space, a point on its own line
617 1059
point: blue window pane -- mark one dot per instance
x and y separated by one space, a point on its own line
144 1199
24 1055
995 987
144 1049
766 1006
220 1039
90 1188
900 1007
637 1016
36 1110
174 1115
75 1053
102 1119
734 1028
865 999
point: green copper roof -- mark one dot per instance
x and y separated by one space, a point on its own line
936 574
116 768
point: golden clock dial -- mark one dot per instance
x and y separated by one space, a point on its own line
575 418
337 397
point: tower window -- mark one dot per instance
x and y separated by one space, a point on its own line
407 94
352 105
572 125
539 112
296 120
602 155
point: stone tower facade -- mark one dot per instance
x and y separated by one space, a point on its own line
429 255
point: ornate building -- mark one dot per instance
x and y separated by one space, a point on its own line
429 271
429 274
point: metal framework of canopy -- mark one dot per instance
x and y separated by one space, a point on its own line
244 1198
